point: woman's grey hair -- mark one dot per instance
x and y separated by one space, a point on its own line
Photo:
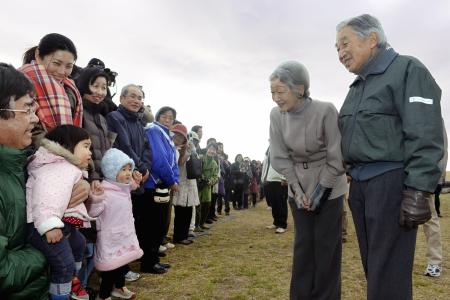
293 74
124 90
364 25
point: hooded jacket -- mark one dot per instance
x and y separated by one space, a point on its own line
52 174
117 243
22 267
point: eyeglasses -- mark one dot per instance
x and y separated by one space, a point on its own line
29 111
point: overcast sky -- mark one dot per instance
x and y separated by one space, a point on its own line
211 60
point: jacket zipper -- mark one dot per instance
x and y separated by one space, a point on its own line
352 128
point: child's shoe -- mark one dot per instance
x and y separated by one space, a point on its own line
78 292
123 293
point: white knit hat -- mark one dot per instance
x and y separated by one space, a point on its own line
113 161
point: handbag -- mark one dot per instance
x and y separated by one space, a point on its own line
161 195
194 167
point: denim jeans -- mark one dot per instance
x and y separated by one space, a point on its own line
61 256
88 264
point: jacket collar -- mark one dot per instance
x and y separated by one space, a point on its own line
117 186
377 65
12 159
128 114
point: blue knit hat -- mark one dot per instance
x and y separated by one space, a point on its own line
113 161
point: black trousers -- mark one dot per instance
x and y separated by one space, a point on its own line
437 200
277 194
150 226
181 222
204 210
316 270
387 250
238 194
220 203
212 207
110 279
254 199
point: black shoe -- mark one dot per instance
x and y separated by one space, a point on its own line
156 269
214 218
204 227
185 242
165 266
162 254
209 221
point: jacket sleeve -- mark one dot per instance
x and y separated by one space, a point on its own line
334 166
48 200
95 204
420 114
22 270
163 159
123 139
279 154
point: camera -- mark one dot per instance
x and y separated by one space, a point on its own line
95 62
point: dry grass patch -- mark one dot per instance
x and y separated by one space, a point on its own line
241 259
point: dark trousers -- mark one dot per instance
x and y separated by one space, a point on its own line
110 279
387 250
437 200
245 200
277 195
204 210
316 271
254 199
238 194
181 222
150 226
220 203
212 207
61 256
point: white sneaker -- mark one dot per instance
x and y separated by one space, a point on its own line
271 227
162 249
123 293
269 208
132 276
280 230
169 245
433 270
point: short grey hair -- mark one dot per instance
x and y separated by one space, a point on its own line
364 25
124 91
292 74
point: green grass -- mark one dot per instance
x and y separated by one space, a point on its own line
241 259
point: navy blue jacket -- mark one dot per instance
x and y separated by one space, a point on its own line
131 138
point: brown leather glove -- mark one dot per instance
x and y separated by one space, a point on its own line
415 208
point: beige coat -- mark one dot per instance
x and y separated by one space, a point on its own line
305 146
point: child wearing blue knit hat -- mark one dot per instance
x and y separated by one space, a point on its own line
117 243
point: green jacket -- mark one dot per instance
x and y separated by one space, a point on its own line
22 268
210 171
392 113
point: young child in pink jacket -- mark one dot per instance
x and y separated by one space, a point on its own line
117 243
53 171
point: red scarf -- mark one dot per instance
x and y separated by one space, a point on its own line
53 104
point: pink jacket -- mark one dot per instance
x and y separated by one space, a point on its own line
52 174
117 243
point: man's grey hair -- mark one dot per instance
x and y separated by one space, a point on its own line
292 74
364 25
124 91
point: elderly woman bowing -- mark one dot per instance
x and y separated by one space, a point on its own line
305 148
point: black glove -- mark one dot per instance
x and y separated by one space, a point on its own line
318 197
415 208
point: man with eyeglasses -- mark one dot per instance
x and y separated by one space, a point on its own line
22 268
131 139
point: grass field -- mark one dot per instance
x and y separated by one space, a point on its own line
241 259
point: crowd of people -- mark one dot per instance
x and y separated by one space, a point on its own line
87 184
100 180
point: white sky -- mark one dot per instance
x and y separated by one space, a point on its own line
211 59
